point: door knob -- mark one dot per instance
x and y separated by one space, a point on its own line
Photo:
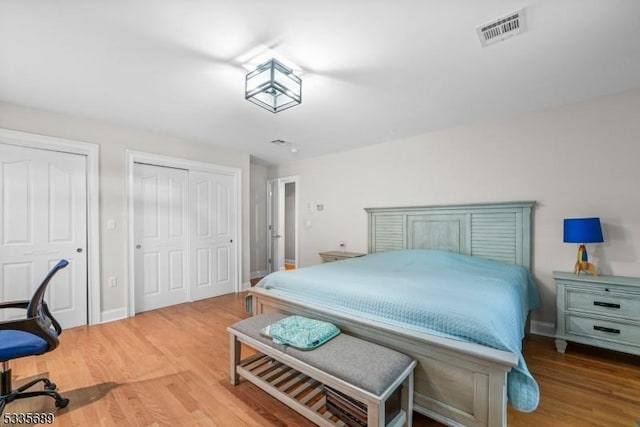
79 250
138 246
231 241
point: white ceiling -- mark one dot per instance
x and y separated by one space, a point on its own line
374 70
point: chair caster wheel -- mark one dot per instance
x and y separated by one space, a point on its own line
62 403
50 386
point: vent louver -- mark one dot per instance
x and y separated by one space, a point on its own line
501 28
279 142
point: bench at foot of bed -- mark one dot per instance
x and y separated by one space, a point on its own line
320 384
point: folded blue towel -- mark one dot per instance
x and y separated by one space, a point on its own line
300 332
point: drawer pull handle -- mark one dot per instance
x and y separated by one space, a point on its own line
606 304
605 329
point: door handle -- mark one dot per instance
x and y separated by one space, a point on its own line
79 250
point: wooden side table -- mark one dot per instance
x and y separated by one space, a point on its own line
331 256
602 311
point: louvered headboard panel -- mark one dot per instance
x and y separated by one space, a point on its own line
498 231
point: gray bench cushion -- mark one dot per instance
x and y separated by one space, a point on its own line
363 364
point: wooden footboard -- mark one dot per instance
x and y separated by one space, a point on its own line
457 383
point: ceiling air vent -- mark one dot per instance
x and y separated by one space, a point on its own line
501 28
279 142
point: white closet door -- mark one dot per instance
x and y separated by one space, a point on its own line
160 236
43 218
213 229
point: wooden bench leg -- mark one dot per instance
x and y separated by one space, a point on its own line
382 413
406 402
234 358
373 413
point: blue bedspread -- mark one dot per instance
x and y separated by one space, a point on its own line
452 295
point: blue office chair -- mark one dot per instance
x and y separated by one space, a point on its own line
35 334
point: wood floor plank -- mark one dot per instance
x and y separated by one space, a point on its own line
169 367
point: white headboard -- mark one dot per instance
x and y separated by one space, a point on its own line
498 231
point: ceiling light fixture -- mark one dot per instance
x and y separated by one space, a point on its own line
273 86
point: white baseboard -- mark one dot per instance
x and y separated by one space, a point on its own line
542 328
115 314
246 286
259 274
290 261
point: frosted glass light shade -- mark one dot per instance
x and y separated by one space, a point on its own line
273 86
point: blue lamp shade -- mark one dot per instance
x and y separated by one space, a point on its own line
582 230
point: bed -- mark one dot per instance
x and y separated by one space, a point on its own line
461 379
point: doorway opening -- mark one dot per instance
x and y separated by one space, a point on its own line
282 223
290 259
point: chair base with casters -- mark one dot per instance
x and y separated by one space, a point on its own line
8 395
32 335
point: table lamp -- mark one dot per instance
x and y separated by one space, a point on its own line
583 230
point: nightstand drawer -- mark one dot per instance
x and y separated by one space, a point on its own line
603 303
618 332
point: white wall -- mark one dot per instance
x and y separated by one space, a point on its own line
258 220
578 160
113 142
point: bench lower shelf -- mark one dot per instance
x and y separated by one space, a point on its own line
300 392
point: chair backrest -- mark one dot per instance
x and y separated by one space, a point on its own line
37 308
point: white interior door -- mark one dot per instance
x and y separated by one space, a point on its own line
161 232
213 231
43 217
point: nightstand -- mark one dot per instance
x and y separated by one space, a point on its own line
332 256
602 311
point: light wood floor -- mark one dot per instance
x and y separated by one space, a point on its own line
170 367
